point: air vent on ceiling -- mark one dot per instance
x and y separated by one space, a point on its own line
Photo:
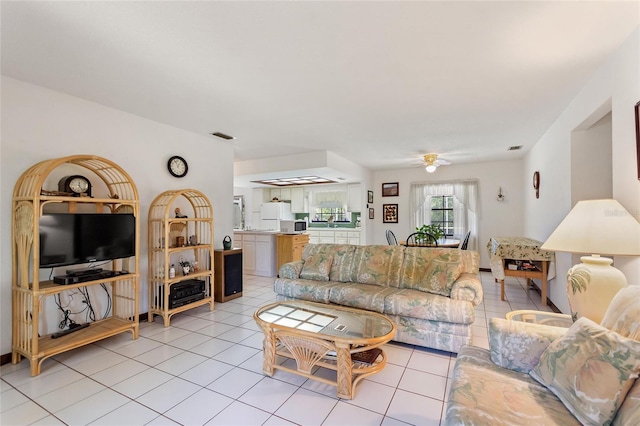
514 148
222 135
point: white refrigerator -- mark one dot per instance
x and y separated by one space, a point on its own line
272 213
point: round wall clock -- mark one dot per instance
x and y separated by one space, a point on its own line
76 185
178 166
536 183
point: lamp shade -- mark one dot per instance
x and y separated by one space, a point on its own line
597 227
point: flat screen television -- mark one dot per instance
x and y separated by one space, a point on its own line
75 238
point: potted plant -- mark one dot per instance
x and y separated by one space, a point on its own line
433 229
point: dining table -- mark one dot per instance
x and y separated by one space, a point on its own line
442 242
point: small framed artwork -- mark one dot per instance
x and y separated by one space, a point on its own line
638 138
370 197
371 213
390 213
390 189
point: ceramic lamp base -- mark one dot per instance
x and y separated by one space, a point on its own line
591 285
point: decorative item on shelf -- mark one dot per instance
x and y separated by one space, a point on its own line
595 226
193 240
536 183
180 241
172 271
179 214
75 185
500 195
226 242
186 266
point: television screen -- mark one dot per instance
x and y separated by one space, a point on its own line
68 239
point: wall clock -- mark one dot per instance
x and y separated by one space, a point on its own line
178 166
76 185
536 183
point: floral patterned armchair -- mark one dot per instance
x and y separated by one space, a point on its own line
539 374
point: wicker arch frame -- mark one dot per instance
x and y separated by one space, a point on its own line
29 198
28 291
164 230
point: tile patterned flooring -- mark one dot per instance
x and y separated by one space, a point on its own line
207 369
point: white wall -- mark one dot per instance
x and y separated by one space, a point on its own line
616 83
39 124
495 218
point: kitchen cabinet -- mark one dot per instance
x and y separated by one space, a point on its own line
354 197
297 200
282 194
258 250
334 236
289 248
265 256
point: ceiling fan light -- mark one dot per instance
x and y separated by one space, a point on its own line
431 168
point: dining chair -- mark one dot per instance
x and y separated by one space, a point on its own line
391 238
422 239
465 242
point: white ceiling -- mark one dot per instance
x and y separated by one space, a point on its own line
377 83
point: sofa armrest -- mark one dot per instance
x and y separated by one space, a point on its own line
467 287
291 270
517 345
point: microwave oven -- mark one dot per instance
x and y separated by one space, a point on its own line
293 226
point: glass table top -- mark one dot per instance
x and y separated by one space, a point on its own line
329 320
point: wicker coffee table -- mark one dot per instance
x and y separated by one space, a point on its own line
343 339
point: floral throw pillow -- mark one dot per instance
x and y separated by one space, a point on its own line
590 369
317 267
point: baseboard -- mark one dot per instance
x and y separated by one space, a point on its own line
6 358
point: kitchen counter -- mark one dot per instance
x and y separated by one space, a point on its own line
255 231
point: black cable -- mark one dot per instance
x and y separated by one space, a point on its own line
108 308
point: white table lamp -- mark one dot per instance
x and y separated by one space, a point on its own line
595 226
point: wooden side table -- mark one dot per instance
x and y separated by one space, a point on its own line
503 249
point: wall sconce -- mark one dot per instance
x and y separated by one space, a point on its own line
500 195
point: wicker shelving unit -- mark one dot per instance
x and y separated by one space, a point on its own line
30 200
196 233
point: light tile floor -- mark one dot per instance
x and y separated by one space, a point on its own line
207 369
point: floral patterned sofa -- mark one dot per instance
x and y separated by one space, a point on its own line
429 293
543 375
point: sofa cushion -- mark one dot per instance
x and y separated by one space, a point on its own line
431 269
590 369
363 296
315 291
379 265
317 267
418 304
342 259
482 393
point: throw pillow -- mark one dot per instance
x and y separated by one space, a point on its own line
438 276
590 369
317 267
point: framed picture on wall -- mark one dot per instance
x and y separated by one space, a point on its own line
390 189
371 213
390 213
370 197
637 109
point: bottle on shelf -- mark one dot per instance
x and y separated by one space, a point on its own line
172 271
